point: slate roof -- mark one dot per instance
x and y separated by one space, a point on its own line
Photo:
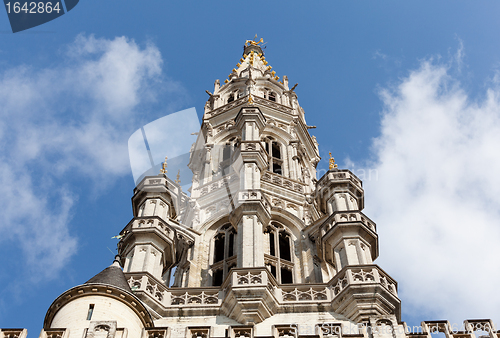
112 275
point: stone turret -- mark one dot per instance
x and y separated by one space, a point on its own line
104 304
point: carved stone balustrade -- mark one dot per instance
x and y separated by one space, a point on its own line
151 222
145 283
223 183
272 104
364 290
316 293
164 299
194 296
279 180
347 216
238 102
249 295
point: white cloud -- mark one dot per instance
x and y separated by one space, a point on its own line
74 117
437 197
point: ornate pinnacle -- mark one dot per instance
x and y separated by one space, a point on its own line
163 169
178 178
250 99
332 162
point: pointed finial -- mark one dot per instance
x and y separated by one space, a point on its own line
332 162
163 169
117 262
250 100
178 178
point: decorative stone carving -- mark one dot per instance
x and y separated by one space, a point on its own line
101 329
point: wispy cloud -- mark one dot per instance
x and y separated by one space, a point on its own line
74 117
436 198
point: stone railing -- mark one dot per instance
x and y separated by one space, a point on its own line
249 277
150 222
283 182
304 293
255 277
169 297
148 284
272 104
226 107
339 175
362 274
193 296
348 216
217 184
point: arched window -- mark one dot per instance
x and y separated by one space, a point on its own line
273 148
269 94
277 162
278 256
230 98
224 255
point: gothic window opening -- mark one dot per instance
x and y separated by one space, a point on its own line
224 254
272 250
276 158
269 94
284 243
219 245
273 148
218 275
278 258
276 150
286 276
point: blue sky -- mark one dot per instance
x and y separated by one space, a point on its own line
406 89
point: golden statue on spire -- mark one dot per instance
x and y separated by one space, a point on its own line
163 169
332 165
253 42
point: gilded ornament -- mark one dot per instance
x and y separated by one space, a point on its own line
332 165
163 169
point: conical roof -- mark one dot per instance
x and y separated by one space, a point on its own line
112 275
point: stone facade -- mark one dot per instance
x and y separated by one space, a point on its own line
259 248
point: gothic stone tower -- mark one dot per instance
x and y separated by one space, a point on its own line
260 247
